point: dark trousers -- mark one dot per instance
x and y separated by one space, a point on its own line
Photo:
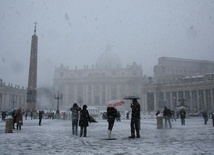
135 126
83 131
40 121
167 119
182 121
213 122
14 122
75 126
110 124
205 120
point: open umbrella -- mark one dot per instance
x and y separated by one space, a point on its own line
182 108
131 97
114 103
92 120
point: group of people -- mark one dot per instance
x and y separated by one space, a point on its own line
112 114
135 119
82 121
18 118
26 115
167 115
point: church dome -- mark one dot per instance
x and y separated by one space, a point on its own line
108 59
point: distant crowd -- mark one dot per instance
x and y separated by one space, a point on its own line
81 117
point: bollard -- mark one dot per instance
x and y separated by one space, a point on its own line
159 122
9 124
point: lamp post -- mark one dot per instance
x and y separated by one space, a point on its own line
58 97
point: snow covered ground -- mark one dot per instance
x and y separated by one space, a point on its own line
54 137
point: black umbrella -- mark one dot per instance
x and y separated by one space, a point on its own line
131 97
92 120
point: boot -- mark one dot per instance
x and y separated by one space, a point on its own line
109 134
138 134
132 135
85 133
81 131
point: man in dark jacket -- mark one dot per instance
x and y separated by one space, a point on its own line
167 116
182 116
75 118
205 116
135 119
40 117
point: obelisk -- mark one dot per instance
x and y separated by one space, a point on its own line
32 77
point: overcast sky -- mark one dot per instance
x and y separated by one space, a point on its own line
77 32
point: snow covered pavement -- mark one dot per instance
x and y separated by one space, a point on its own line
55 137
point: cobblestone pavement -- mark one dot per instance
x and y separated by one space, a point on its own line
54 137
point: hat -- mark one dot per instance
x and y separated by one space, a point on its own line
75 105
84 106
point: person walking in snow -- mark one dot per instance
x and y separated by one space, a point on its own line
83 122
213 118
75 118
135 119
111 116
182 116
205 116
31 115
26 115
40 117
19 120
167 116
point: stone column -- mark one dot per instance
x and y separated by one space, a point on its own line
101 95
86 93
92 94
197 94
191 102
145 107
212 103
107 93
155 99
205 99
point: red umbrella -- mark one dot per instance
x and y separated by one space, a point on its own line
115 103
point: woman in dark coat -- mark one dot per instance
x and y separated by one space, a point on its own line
19 120
83 122
111 115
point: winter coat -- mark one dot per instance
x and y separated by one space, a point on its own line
18 116
75 112
182 114
205 115
135 109
167 113
111 113
84 118
41 114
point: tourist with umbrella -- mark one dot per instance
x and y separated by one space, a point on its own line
135 116
112 114
135 119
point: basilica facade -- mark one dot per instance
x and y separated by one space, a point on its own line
96 85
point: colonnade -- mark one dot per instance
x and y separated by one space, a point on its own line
197 97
